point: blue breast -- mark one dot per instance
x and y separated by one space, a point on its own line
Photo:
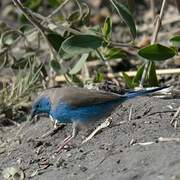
65 113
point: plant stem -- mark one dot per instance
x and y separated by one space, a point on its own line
178 5
153 41
41 29
121 44
109 68
152 6
58 9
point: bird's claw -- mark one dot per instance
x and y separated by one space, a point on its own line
64 144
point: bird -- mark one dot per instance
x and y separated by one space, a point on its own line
80 106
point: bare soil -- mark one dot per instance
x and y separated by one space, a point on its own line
114 153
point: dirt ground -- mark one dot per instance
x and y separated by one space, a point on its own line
117 152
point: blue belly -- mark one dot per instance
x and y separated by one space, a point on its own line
65 113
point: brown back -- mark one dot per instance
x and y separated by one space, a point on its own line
78 97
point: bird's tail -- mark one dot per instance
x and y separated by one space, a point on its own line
144 92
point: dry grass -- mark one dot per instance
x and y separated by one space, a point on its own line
17 93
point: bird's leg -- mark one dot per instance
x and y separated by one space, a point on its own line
101 126
55 124
70 137
56 128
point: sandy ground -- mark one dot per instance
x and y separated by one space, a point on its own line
114 153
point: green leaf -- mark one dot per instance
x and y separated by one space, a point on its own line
55 40
107 29
75 16
175 41
86 15
94 30
64 55
114 53
98 78
33 4
55 65
152 77
54 3
126 15
127 80
137 77
75 79
78 66
81 44
157 52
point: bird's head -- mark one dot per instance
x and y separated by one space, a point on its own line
41 106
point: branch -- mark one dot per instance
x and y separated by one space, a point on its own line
41 29
29 16
153 41
158 23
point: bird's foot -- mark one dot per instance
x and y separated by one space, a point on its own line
69 138
102 126
65 148
65 144
174 121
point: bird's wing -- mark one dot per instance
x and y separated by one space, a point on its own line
78 97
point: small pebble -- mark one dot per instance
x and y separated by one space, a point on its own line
118 161
82 168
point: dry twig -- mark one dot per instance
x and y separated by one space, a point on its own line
173 121
102 126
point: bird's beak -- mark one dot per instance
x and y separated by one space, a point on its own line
35 114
